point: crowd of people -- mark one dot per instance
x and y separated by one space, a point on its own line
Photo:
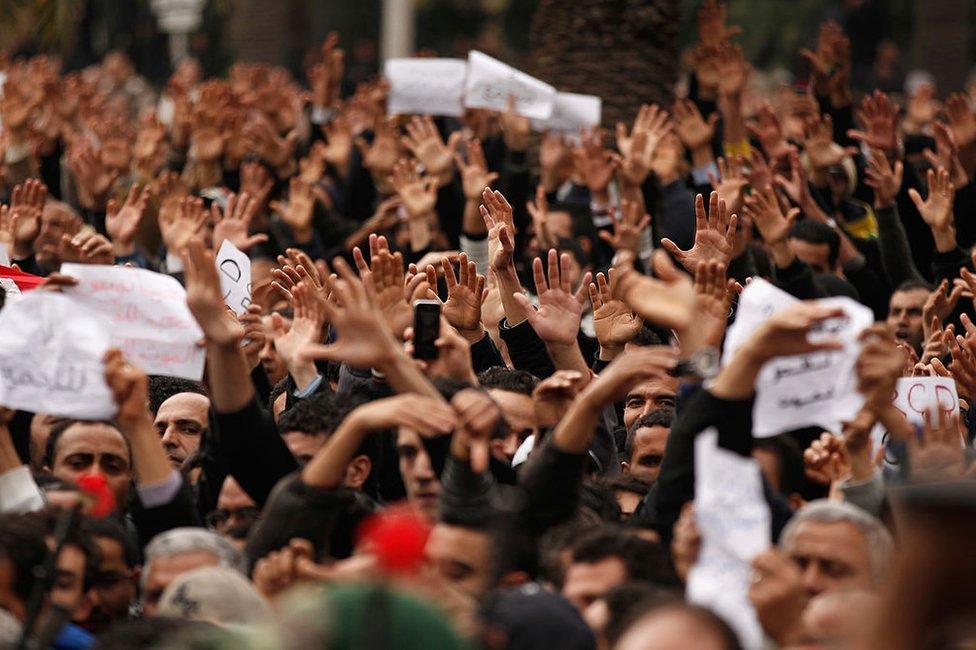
523 475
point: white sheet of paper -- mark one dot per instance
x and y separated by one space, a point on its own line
4 255
914 396
146 314
234 269
818 389
734 522
490 83
10 287
51 358
426 86
570 112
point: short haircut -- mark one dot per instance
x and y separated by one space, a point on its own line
153 632
280 387
701 615
626 483
187 539
629 601
57 431
22 545
642 559
657 418
814 232
77 536
789 456
647 336
513 381
877 539
319 414
161 388
574 248
113 529
915 285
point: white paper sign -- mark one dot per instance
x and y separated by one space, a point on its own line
234 269
146 314
426 86
571 112
817 389
10 287
4 255
490 83
914 397
734 522
51 358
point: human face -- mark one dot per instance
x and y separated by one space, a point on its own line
559 224
40 430
519 414
69 578
588 581
180 422
303 446
644 463
417 473
830 556
628 502
112 589
273 366
56 220
94 448
651 395
234 508
816 255
670 629
460 556
164 570
905 315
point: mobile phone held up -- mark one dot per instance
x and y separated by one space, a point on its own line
426 328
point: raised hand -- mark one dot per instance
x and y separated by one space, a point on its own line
695 131
936 209
667 301
733 70
23 218
363 338
477 419
178 227
386 281
130 390
595 164
92 178
711 16
298 212
884 179
713 301
764 208
637 149
380 155
516 129
424 141
879 118
306 328
628 228
122 222
553 396
553 153
557 318
825 460
939 455
204 297
539 211
962 120
769 132
731 181
234 223
464 295
419 194
613 320
820 146
714 234
256 182
947 154
497 213
261 138
785 333
475 176
86 247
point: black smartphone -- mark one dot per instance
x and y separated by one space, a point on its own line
426 328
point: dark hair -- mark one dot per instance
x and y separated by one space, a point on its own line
626 483
113 529
574 248
643 560
145 633
912 285
50 451
555 541
648 336
625 600
658 418
319 414
514 381
280 387
162 388
78 536
600 500
22 544
814 232
789 457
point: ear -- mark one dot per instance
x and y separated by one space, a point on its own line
796 501
357 472
586 244
83 609
625 467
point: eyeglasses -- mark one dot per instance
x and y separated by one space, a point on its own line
217 518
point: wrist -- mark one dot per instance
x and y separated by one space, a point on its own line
302 235
945 239
473 335
701 156
123 248
600 196
609 352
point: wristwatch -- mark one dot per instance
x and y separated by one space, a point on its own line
702 364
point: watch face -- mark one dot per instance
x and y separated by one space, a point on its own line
706 362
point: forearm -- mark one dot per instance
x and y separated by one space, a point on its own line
149 462
896 253
230 378
945 239
781 253
737 380
733 126
509 285
574 433
471 221
568 357
327 469
404 376
419 232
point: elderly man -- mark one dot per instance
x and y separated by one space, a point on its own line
828 547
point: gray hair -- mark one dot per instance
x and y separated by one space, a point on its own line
178 541
878 541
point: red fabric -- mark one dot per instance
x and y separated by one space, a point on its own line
24 281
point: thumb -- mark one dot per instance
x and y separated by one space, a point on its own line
916 198
478 452
672 248
664 268
524 303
